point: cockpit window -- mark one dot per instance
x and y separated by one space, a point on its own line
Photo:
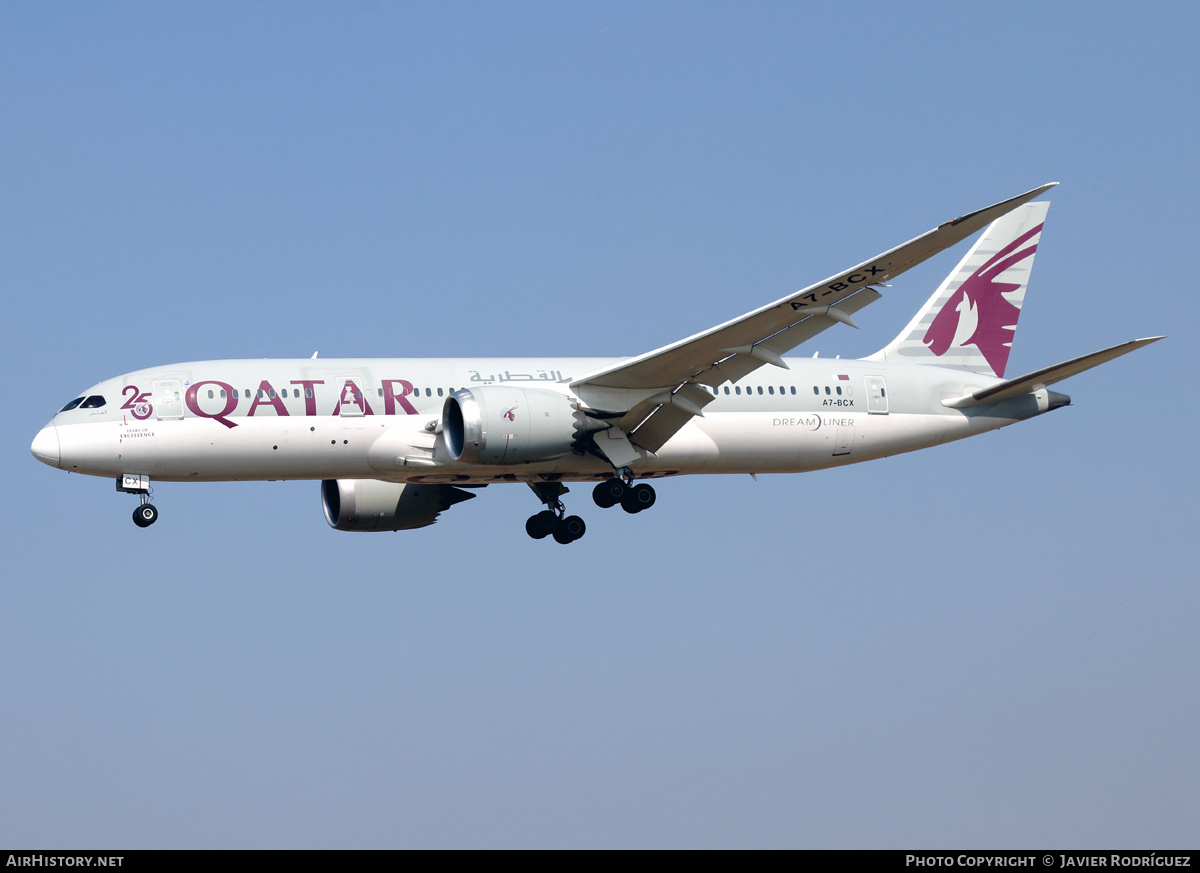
93 402
72 404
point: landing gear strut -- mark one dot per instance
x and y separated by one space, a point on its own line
131 483
554 521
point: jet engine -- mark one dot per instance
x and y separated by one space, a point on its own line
369 504
502 424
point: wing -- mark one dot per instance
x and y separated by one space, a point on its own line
675 375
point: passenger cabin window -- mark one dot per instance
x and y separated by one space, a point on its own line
72 404
93 402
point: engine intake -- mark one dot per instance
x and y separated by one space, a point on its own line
507 425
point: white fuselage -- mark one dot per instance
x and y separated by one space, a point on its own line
377 419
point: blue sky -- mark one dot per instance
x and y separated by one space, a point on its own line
990 643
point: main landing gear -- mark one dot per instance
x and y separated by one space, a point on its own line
131 483
633 498
553 521
564 529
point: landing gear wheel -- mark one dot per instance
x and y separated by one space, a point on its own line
145 515
541 525
637 498
569 529
609 493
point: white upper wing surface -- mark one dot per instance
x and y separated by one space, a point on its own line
731 350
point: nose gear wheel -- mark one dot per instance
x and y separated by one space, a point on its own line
145 515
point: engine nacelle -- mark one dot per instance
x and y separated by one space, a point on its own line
501 424
369 504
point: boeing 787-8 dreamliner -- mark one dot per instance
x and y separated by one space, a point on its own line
396 441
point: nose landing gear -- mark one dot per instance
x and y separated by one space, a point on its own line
133 483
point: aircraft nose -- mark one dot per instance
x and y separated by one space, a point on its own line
45 445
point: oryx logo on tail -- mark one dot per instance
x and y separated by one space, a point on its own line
978 314
970 320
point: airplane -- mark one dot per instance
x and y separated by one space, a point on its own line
396 442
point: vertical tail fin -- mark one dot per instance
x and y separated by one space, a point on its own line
971 319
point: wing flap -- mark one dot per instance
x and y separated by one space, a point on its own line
664 422
672 413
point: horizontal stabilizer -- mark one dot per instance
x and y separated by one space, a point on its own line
1046 376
